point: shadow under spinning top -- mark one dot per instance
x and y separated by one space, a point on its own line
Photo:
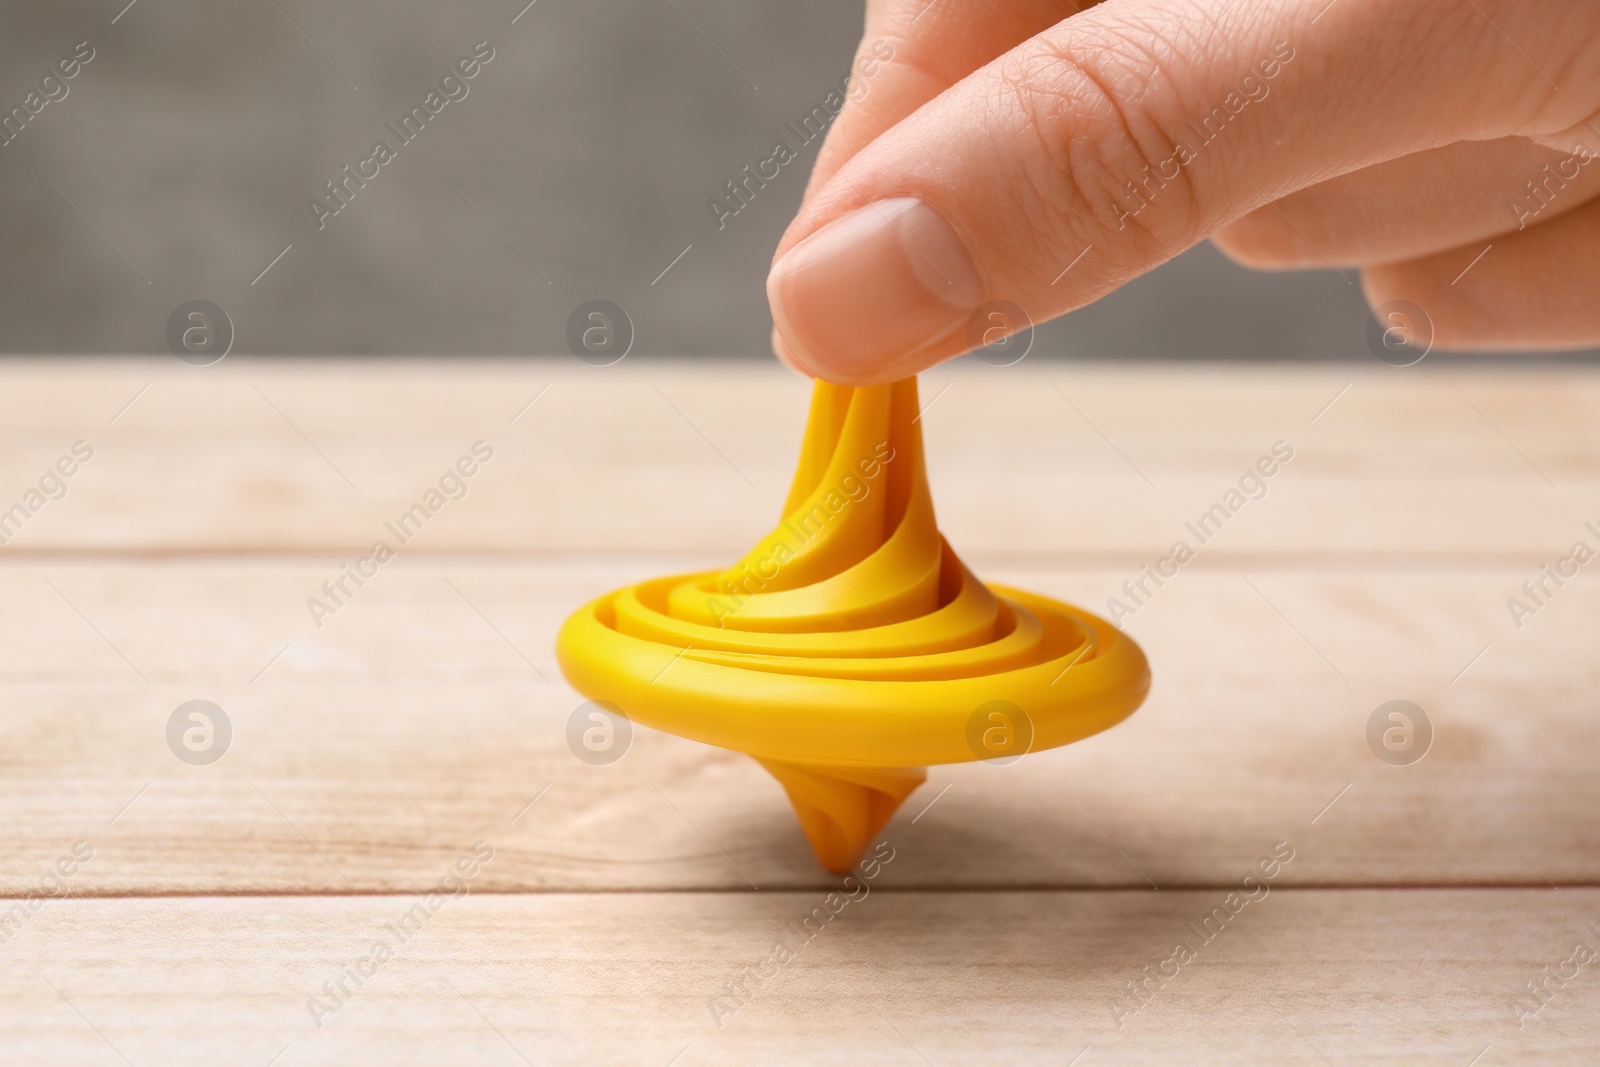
851 648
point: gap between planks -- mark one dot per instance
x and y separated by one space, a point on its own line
921 890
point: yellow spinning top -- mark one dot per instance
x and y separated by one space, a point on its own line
851 648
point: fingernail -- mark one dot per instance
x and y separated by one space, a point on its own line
872 288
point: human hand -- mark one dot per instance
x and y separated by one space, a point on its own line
1006 154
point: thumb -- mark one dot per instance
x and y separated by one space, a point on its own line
1112 141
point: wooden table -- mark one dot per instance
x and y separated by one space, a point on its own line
1030 912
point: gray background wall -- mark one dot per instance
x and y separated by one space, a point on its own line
592 141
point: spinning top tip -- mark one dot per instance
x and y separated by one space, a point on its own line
842 809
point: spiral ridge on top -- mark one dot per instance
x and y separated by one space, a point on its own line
851 647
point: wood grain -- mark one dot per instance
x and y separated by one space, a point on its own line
653 457
429 712
897 978
373 751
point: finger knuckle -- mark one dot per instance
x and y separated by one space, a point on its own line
1093 102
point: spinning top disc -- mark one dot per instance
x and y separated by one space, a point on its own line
851 648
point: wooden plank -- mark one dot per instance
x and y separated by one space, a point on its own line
429 713
1297 977
654 456
372 752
